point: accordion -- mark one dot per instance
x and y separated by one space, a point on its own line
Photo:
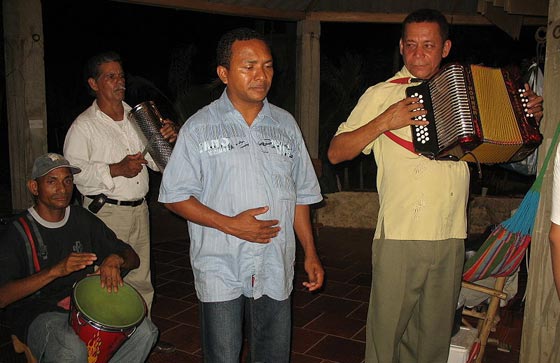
477 114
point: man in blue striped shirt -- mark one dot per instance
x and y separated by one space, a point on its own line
241 175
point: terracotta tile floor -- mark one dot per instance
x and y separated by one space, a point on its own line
328 326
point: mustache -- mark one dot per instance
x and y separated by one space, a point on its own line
60 197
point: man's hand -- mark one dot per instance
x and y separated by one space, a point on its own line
535 104
348 145
18 289
73 262
402 114
110 273
169 130
245 226
128 167
315 272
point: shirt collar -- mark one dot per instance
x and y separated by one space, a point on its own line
47 224
403 73
226 107
104 116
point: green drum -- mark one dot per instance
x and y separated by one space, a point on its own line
104 320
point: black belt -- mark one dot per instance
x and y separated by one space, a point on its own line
128 203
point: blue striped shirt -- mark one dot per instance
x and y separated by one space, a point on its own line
230 167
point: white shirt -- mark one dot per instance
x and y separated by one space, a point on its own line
93 142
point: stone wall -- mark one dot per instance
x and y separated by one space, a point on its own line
484 211
345 209
348 209
360 209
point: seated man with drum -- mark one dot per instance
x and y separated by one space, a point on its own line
45 252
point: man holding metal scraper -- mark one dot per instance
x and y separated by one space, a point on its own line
104 143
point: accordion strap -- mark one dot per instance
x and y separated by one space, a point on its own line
399 140
404 80
402 142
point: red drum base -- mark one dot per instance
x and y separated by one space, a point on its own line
104 320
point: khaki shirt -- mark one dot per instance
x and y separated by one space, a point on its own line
420 199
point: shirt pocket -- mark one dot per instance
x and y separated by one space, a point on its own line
284 185
276 171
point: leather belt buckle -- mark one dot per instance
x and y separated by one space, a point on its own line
124 203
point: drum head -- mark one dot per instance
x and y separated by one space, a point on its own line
121 310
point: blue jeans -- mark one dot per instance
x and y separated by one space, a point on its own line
268 326
52 339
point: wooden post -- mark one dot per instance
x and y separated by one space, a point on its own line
540 341
25 92
307 83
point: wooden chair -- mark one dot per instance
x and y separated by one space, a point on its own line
20 347
499 258
487 320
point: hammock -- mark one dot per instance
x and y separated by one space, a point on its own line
502 252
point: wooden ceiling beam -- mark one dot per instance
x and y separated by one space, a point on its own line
366 17
322 16
223 9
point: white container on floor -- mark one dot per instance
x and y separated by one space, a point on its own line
461 345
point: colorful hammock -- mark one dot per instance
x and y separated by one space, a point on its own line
503 250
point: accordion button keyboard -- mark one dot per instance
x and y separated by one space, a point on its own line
525 100
417 95
422 134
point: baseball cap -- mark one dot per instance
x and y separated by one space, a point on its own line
50 161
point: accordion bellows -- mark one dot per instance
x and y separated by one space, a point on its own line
476 114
